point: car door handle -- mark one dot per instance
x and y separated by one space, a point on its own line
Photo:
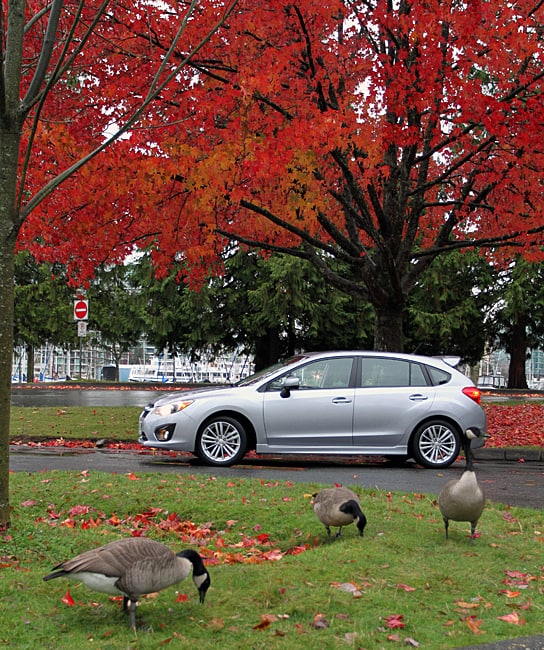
341 400
418 397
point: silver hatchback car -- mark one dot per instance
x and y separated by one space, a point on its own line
346 402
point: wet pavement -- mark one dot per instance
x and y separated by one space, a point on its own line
66 395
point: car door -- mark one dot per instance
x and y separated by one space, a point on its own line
394 395
316 414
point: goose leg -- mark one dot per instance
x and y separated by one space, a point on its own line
339 532
446 526
133 614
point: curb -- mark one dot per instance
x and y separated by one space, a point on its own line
511 454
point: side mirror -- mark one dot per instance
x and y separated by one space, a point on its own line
290 383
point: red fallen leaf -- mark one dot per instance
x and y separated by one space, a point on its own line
319 622
404 587
263 538
92 523
181 598
394 621
68 523
79 510
510 594
28 503
512 618
132 477
266 620
473 624
274 554
67 599
298 549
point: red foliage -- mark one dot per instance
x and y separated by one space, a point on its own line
278 114
515 426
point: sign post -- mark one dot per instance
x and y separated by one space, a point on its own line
81 315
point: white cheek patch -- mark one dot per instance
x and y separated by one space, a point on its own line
200 580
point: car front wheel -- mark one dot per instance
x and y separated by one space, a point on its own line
221 442
435 444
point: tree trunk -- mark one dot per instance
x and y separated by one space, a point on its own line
29 363
518 355
10 137
267 349
7 283
388 328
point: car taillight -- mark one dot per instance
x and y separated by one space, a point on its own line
474 393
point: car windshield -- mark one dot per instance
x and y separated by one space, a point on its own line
263 374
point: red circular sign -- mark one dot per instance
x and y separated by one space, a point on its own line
81 309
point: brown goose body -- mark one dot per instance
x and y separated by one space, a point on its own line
463 499
339 507
132 567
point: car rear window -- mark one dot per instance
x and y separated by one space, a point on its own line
438 376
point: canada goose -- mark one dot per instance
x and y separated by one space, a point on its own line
462 499
338 506
133 566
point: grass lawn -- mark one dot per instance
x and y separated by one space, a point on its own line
276 581
75 423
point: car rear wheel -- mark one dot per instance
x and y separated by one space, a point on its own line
221 442
435 444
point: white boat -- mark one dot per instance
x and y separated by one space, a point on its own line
180 370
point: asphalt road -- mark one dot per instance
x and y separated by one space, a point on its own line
510 483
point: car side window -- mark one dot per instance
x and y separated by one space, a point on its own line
325 373
378 372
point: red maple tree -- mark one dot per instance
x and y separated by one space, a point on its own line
378 134
374 134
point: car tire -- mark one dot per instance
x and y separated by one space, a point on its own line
222 441
436 444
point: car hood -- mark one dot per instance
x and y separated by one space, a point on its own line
194 393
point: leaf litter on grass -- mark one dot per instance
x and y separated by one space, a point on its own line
255 533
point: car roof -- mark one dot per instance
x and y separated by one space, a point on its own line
450 360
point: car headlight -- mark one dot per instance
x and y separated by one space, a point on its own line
172 407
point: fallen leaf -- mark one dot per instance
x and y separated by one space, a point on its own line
404 587
266 620
319 622
512 618
67 599
464 605
395 621
473 624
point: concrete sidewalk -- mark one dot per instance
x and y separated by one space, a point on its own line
521 643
